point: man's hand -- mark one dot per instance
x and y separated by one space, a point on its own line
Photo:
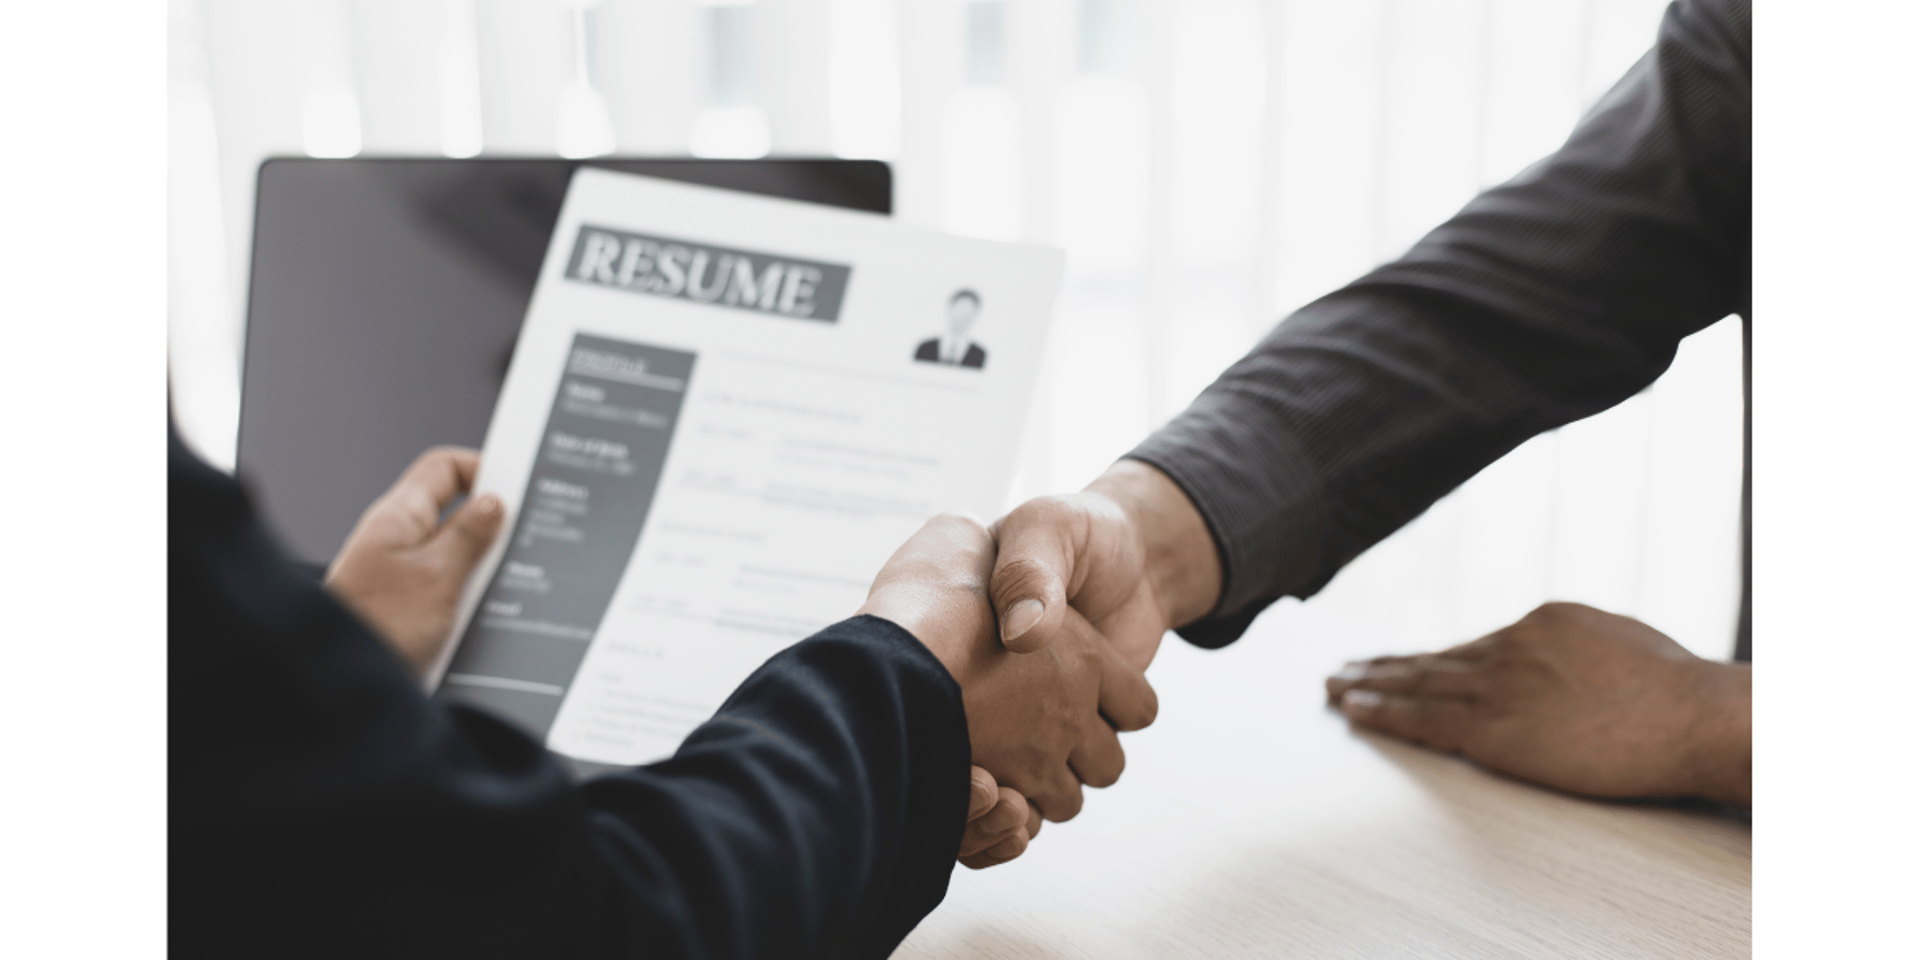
1042 722
1572 698
402 568
1000 823
1130 554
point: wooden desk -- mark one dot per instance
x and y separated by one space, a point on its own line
1252 822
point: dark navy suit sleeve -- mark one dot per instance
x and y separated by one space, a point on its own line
320 806
1546 299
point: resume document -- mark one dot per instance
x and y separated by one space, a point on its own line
723 414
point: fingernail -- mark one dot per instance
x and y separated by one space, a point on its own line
1352 671
1356 701
487 505
1020 618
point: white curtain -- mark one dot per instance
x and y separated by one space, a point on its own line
1208 165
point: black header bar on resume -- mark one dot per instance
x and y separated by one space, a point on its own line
686 270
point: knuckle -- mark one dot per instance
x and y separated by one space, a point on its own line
1021 572
1420 673
1556 613
965 523
1503 643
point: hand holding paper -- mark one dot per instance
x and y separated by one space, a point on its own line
402 567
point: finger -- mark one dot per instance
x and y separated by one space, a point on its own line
1037 544
1439 722
1010 813
408 514
1127 700
469 533
999 853
1014 845
1007 817
440 475
1098 759
1350 672
1061 799
983 793
1424 674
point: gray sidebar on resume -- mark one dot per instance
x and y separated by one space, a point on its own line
586 501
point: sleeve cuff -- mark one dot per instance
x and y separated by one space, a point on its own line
1262 503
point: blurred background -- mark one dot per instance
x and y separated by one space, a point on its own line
1208 165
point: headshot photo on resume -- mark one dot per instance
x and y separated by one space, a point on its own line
954 347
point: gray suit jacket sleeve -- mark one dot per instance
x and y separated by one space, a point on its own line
1547 299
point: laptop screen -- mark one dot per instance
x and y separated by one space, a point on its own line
385 299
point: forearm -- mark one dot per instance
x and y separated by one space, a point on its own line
1545 300
818 813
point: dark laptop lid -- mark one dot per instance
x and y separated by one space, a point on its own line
385 299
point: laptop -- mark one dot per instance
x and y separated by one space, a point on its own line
385 299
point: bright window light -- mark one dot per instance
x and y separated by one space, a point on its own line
582 126
983 163
863 81
330 121
460 130
738 132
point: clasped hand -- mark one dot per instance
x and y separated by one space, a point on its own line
1083 587
1042 712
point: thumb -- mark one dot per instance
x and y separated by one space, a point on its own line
1035 561
466 535
982 793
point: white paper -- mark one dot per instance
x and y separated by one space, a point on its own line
776 456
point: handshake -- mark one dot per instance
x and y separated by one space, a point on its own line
1047 620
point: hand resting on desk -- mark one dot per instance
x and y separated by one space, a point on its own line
1573 698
